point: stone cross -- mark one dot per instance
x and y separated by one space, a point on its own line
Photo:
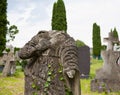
108 77
110 41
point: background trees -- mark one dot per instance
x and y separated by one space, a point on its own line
7 33
54 16
79 43
96 40
115 33
59 21
3 24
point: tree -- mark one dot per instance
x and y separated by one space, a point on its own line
79 43
3 24
59 21
12 31
115 33
96 40
54 15
4 33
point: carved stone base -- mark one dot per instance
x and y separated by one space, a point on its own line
105 85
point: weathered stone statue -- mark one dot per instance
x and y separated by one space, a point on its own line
52 68
108 77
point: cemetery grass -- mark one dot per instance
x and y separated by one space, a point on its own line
14 85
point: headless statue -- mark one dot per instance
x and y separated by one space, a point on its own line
52 67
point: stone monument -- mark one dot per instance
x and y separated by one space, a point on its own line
84 61
108 77
8 61
52 67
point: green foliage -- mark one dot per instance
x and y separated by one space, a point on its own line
49 78
16 49
22 63
115 33
96 40
33 85
4 30
18 73
7 50
59 21
34 93
12 31
3 24
80 43
54 17
103 47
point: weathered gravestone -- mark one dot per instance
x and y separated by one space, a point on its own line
53 64
9 64
108 77
84 61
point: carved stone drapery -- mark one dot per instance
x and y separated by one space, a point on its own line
51 55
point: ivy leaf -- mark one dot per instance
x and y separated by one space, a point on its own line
61 78
48 79
46 85
33 85
49 73
35 93
49 66
60 71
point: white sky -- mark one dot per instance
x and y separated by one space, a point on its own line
30 16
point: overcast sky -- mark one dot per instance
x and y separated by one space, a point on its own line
30 16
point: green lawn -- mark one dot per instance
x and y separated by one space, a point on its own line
12 85
15 85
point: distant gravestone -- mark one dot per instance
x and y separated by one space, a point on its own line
84 61
10 66
7 61
107 78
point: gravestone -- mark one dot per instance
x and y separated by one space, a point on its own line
84 61
108 77
53 64
9 64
